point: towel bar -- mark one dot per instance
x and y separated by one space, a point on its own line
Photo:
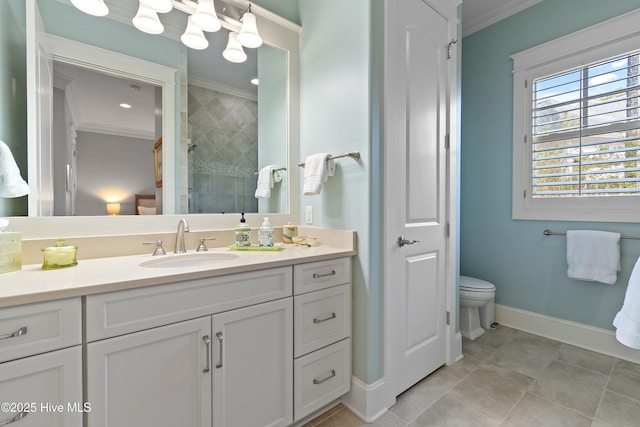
275 170
551 233
355 155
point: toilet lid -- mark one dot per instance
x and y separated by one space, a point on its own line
475 284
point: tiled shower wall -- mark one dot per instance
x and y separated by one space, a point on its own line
223 157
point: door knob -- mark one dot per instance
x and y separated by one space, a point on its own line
402 241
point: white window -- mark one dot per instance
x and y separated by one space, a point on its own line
577 126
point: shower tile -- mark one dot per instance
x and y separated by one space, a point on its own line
452 410
534 411
571 386
492 390
526 353
625 379
418 398
586 359
617 410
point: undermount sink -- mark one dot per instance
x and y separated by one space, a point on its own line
187 260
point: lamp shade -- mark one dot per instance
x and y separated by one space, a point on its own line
147 20
92 7
113 208
205 16
248 35
160 6
193 36
234 51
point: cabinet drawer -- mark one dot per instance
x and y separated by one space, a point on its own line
321 318
36 328
314 276
321 377
116 313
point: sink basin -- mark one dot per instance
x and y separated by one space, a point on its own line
188 260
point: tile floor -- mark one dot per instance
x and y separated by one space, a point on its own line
512 378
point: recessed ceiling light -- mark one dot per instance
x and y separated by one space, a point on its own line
125 105
255 81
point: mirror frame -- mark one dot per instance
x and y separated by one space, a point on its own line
277 32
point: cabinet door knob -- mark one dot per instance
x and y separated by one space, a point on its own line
20 332
18 417
219 336
207 346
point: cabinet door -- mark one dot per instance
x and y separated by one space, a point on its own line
253 366
43 390
157 377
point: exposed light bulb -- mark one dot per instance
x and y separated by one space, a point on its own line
193 36
160 6
255 81
205 16
92 7
146 20
234 51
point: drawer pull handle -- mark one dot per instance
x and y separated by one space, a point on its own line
320 276
207 346
219 336
18 417
333 316
20 332
328 377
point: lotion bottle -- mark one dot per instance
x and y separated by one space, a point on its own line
243 233
265 234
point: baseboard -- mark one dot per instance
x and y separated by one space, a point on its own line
576 334
367 401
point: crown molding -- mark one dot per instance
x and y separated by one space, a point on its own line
494 14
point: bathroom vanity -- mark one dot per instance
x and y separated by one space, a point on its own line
252 340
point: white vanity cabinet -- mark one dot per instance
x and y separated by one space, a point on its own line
204 352
322 329
41 364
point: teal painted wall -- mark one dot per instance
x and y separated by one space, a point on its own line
13 93
528 269
337 101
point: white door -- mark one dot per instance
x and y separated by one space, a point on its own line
43 390
39 115
157 377
253 366
416 190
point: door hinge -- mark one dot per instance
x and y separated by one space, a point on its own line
447 143
525 139
524 194
526 83
447 230
448 317
450 48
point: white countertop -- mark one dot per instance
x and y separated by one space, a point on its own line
90 276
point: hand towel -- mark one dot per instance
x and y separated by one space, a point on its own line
317 168
267 177
593 255
11 183
627 321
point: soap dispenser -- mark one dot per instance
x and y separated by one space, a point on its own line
243 233
265 234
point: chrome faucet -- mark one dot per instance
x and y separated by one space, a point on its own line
183 226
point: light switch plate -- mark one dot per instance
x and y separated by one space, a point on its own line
308 214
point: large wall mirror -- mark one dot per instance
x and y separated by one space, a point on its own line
206 133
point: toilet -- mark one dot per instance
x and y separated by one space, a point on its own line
477 306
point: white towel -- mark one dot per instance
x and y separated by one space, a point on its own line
317 168
627 321
11 183
267 177
593 255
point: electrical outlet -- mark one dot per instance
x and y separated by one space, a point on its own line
308 214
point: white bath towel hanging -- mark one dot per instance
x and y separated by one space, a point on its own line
11 183
627 321
267 177
593 255
317 168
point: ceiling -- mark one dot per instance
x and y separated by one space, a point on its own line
478 14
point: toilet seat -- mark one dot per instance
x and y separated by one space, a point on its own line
472 284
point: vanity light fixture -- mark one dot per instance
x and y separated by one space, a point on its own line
255 81
202 16
92 7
